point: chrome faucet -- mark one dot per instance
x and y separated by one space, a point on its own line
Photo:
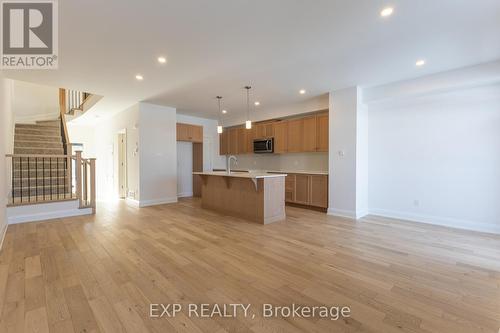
228 162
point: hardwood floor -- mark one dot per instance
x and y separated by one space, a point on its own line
101 273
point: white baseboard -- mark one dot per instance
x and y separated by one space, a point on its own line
154 202
341 213
48 211
185 195
438 220
132 202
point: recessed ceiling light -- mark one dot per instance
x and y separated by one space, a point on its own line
257 103
162 60
139 77
387 12
302 91
420 63
224 111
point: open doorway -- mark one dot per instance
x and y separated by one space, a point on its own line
122 163
189 159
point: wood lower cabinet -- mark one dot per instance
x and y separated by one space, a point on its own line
188 132
307 189
302 189
319 191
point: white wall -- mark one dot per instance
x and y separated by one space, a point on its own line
32 102
158 154
85 135
106 134
436 157
184 169
6 147
343 156
211 158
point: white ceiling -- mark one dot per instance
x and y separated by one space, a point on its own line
278 46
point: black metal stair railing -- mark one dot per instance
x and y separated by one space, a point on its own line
45 178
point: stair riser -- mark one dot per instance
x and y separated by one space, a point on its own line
49 122
37 138
39 126
38 144
38 131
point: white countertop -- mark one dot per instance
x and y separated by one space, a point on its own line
236 174
285 171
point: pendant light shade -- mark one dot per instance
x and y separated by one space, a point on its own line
219 125
248 123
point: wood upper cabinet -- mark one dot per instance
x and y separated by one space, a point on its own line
264 130
195 133
306 134
224 143
187 132
233 141
322 132
242 141
309 134
294 135
319 191
280 137
250 136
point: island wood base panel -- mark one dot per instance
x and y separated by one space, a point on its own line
238 197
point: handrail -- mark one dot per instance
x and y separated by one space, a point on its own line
38 155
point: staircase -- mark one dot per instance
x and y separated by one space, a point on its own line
43 167
40 170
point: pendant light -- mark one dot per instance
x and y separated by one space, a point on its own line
219 125
248 123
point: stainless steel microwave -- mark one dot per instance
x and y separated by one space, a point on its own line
261 146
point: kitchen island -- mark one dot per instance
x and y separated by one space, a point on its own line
258 197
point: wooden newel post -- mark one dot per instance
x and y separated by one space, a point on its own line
92 185
78 176
69 170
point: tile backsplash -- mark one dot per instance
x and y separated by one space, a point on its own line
286 162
